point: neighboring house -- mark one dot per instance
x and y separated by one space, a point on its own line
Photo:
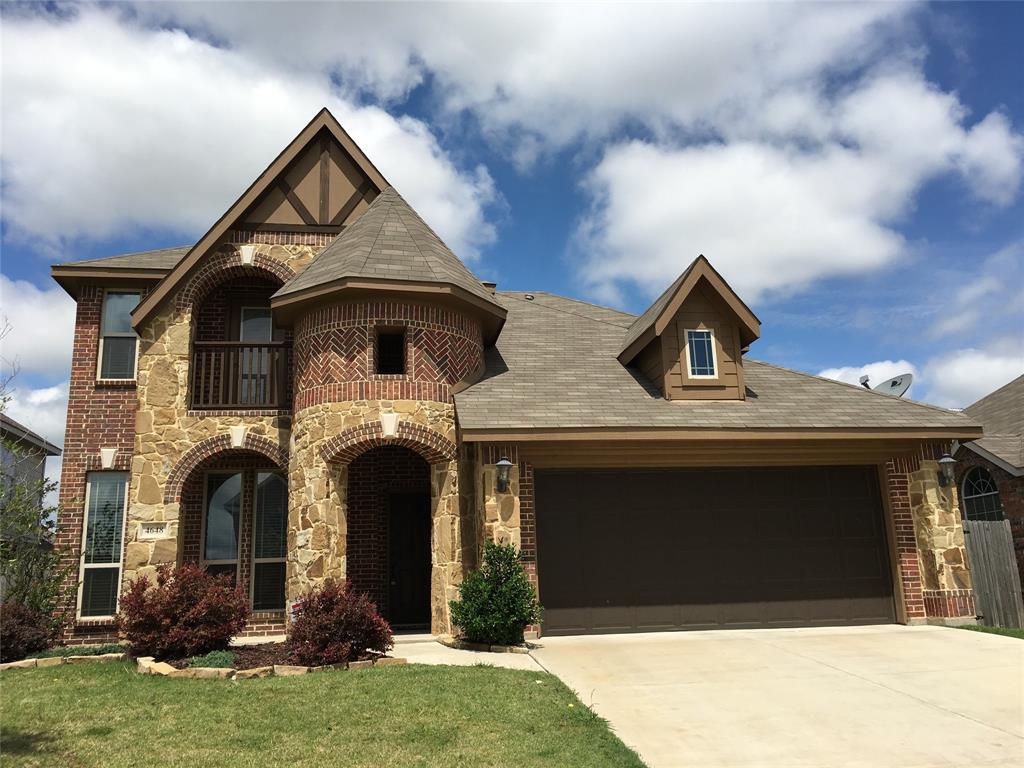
23 455
990 471
320 388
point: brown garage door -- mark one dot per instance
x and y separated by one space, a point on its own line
634 550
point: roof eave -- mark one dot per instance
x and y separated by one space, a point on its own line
995 459
286 306
71 276
639 434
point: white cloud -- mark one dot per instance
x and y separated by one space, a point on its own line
877 372
992 291
41 327
110 126
964 376
42 410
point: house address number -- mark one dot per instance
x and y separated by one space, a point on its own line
152 530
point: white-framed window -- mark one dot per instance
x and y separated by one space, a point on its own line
221 523
980 496
106 499
701 361
119 343
269 542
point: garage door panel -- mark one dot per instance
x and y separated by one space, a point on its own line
668 549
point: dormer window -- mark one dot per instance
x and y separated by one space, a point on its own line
700 354
390 351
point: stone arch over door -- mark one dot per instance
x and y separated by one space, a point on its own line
434 447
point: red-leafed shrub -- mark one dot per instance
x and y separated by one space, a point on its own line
334 624
188 612
23 630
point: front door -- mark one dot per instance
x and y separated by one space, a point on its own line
409 559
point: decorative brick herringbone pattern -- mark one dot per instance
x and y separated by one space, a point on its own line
334 353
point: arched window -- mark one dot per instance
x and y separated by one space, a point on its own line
980 496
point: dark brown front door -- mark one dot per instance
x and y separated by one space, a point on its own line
634 550
409 560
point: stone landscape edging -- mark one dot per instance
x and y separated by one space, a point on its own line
147 665
464 645
54 661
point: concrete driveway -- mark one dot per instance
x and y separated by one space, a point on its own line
864 696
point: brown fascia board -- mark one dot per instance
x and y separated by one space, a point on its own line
535 434
324 119
701 268
70 277
286 307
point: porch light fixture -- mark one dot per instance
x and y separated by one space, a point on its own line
946 464
504 467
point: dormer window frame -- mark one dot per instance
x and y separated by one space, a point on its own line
689 360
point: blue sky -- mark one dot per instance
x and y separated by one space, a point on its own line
854 171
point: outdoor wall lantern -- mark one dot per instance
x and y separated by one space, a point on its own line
504 470
946 464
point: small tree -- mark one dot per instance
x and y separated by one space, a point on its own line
498 601
36 577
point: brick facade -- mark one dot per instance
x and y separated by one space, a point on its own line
1011 496
100 415
334 353
372 477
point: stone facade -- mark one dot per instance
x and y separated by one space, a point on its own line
318 491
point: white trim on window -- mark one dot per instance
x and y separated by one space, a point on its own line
237 562
116 334
714 353
119 560
261 560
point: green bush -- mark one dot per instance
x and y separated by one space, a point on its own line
220 659
498 601
79 650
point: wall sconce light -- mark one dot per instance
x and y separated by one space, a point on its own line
946 464
504 467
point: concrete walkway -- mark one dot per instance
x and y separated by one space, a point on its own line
866 696
424 649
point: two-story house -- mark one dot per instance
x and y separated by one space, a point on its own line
320 388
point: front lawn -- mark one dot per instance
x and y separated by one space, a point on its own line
1008 631
107 715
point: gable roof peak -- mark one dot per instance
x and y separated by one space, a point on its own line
652 322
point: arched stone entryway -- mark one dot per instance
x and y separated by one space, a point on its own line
389 523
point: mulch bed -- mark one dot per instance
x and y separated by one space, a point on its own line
252 656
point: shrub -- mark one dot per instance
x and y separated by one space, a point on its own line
334 624
79 650
220 659
498 601
23 630
187 612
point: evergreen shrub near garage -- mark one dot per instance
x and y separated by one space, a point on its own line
498 602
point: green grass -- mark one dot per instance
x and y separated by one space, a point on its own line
88 715
1008 631
79 650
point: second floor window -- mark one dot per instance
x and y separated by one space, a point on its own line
118 342
700 350
391 351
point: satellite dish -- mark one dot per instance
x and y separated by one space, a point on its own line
897 386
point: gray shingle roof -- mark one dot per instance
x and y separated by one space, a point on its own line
644 321
389 241
18 432
161 258
1001 413
554 366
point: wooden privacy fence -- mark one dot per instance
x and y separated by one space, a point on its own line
994 572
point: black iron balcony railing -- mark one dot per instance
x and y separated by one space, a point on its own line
235 374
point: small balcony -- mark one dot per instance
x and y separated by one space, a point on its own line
236 375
